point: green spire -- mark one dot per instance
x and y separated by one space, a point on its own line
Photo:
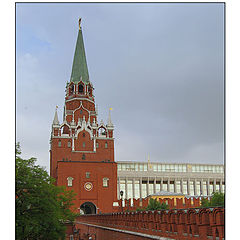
79 68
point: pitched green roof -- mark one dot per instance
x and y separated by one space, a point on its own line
79 68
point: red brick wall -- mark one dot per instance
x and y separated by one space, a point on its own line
141 203
66 162
174 224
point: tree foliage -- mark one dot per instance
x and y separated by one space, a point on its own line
154 204
216 200
41 207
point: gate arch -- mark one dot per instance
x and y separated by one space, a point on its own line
88 208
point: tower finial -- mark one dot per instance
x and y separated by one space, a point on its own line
109 124
79 23
55 120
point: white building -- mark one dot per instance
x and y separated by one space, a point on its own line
140 179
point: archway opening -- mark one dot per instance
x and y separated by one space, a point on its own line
88 208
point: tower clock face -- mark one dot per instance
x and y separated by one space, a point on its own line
88 186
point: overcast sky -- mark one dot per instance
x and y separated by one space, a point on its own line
159 66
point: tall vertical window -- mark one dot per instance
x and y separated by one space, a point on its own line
204 190
144 189
158 186
87 174
69 181
69 144
171 185
105 182
151 187
59 143
165 186
184 187
130 189
106 145
198 186
191 188
178 186
210 188
137 188
97 145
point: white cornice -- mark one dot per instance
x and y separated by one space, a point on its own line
79 98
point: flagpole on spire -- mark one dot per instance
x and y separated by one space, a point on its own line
79 23
109 118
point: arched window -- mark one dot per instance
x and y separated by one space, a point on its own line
69 179
80 88
105 182
71 89
102 132
89 90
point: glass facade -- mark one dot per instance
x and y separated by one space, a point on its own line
144 179
161 167
191 187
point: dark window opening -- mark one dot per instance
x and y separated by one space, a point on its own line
83 157
72 89
80 88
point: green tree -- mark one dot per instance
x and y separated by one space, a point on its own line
154 204
216 200
41 207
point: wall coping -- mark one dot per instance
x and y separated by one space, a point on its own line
125 231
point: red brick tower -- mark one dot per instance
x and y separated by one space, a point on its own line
81 149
